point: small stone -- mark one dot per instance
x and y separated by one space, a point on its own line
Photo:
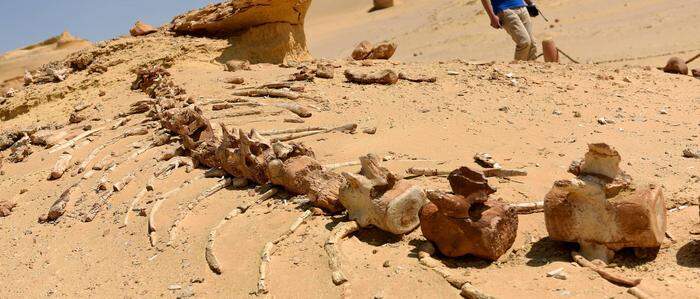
556 112
237 65
577 114
558 274
663 111
691 153
504 109
452 73
235 80
325 71
370 131
386 264
174 287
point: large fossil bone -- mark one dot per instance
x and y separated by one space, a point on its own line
468 221
601 210
376 197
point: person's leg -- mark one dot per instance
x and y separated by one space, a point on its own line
527 22
512 23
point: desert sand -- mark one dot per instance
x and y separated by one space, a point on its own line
531 116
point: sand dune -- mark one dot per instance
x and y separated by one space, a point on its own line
13 63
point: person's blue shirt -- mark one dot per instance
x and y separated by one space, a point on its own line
501 5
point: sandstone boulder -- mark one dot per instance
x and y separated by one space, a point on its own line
365 50
258 30
601 209
468 221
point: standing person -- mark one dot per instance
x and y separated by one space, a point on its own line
514 17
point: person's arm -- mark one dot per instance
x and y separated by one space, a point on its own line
495 21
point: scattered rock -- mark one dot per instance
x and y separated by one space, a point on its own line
558 274
362 50
141 29
10 92
370 131
383 50
20 150
365 50
676 65
486 160
696 73
6 208
80 106
693 153
237 65
325 71
235 80
76 117
417 78
386 77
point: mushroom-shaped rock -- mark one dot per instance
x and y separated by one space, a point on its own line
376 197
676 65
141 29
601 210
468 222
259 30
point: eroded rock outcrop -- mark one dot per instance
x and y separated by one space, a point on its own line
467 221
141 29
258 30
602 210
376 197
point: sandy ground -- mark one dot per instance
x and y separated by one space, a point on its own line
521 113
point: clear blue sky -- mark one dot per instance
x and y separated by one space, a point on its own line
24 22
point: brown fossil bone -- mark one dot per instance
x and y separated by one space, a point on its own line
376 197
304 175
196 132
468 221
601 210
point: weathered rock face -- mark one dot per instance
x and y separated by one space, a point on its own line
601 210
376 197
468 222
258 30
